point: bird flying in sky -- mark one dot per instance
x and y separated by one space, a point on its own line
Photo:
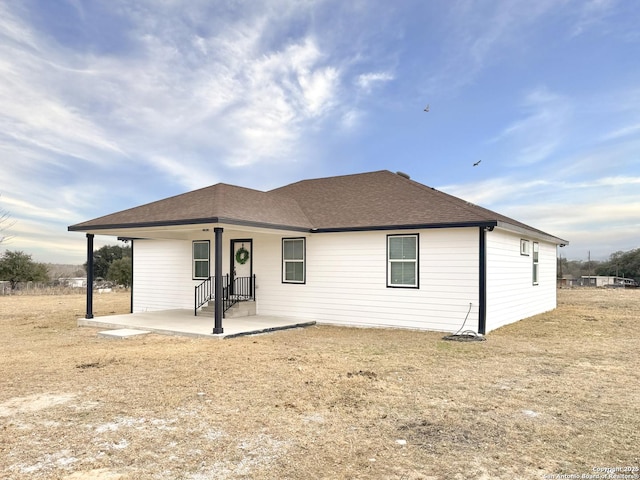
477 163
426 109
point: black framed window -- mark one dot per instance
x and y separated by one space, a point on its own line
201 259
536 250
402 261
293 260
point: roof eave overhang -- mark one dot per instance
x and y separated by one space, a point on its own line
413 226
489 224
123 227
533 233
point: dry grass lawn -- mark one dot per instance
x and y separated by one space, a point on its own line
558 393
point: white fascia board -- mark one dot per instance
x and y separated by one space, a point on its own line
533 234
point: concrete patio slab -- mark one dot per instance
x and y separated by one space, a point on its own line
122 333
184 323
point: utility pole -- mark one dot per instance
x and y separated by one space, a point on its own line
560 267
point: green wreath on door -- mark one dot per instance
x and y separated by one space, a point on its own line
242 255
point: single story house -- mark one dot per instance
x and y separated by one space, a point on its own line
373 249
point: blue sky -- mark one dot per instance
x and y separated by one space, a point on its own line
106 105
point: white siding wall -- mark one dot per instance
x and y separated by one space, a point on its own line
346 278
162 278
511 295
346 281
163 272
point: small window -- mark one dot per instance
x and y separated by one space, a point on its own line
524 247
293 260
402 261
536 249
201 259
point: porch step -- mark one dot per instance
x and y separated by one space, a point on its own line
207 309
240 309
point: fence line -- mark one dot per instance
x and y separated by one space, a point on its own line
39 288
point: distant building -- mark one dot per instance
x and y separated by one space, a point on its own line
75 282
568 281
604 281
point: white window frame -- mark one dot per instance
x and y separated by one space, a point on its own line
524 247
536 263
415 261
195 260
286 261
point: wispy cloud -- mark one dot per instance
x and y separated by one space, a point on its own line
351 119
36 112
40 239
621 132
242 101
368 81
495 191
587 223
508 189
573 210
541 129
479 35
591 13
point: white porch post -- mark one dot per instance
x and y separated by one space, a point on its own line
218 280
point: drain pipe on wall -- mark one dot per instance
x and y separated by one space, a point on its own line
470 335
482 279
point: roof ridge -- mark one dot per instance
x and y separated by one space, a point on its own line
330 177
469 206
292 199
487 213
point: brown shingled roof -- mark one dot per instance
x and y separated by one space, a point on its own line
363 201
377 199
217 203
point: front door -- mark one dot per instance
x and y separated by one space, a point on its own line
241 267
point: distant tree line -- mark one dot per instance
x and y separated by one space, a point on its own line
17 267
619 264
622 264
111 263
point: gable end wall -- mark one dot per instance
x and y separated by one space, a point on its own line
511 295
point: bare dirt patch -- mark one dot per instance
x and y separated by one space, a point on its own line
554 394
32 403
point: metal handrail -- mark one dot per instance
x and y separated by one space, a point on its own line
242 289
203 293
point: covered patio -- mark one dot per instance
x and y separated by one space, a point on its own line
184 323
